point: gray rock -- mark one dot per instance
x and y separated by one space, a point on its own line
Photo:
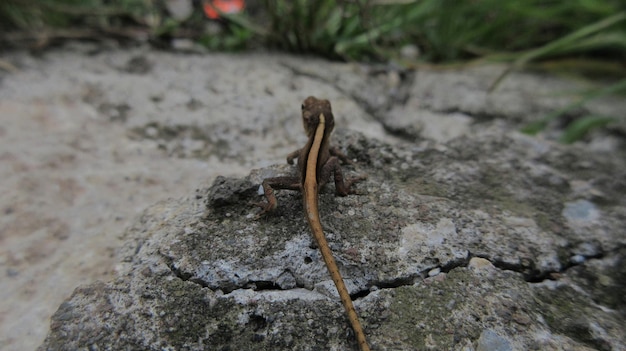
490 341
119 129
492 213
441 104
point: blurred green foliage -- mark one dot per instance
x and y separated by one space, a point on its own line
442 30
587 34
582 125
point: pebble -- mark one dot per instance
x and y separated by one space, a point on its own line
581 211
577 259
477 263
433 272
490 341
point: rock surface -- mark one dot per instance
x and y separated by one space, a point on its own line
92 134
490 242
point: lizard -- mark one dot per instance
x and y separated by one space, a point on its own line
316 161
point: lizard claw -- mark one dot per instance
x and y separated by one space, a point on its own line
359 178
355 180
266 207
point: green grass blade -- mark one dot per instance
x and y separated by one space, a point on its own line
537 126
562 45
582 126
559 45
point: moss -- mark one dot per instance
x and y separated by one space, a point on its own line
566 312
421 315
187 315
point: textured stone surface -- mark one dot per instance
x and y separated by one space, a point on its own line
91 135
483 245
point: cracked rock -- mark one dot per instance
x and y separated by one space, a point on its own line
467 247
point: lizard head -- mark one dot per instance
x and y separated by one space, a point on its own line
312 108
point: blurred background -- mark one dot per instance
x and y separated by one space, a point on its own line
76 169
586 38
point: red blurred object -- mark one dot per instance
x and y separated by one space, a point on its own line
213 8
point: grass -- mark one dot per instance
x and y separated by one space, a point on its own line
518 31
582 125
589 34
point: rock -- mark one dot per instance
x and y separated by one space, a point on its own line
477 264
444 104
490 341
121 128
487 212
414 122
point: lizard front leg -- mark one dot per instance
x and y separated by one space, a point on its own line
342 186
271 184
293 155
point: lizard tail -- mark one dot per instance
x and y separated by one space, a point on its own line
310 198
327 255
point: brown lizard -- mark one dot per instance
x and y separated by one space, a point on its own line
316 161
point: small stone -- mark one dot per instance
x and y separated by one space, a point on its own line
521 318
433 272
286 281
490 341
587 249
577 259
477 263
580 212
438 278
